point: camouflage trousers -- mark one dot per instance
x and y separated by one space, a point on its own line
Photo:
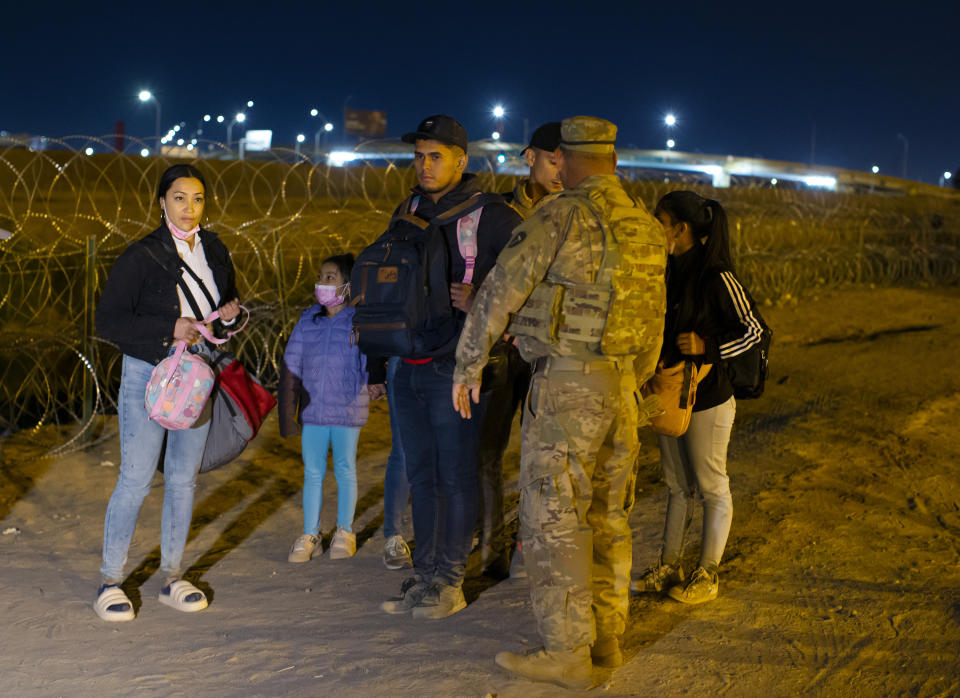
576 471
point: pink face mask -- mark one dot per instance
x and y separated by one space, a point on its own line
181 234
328 295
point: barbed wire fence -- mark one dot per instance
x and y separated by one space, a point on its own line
65 216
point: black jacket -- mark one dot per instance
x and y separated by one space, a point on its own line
140 306
714 305
493 233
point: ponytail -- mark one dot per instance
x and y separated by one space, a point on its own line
708 223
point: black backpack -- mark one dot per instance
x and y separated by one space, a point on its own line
748 371
401 284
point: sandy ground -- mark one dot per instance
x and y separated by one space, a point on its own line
841 576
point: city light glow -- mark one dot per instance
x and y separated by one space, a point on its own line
820 181
338 158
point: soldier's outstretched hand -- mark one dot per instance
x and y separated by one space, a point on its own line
462 394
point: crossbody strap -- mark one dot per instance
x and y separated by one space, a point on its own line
195 306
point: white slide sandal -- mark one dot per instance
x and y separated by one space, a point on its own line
113 595
175 596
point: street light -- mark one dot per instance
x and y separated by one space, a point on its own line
147 96
324 129
945 177
875 169
670 120
670 143
238 119
495 135
300 139
498 112
249 104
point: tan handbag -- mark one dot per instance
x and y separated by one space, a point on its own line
677 389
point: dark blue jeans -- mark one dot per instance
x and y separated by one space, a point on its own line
396 489
439 449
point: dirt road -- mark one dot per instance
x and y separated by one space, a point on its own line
841 576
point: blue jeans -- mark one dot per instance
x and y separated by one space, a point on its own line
316 442
697 462
396 489
439 448
141 441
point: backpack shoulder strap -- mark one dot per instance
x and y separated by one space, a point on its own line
467 215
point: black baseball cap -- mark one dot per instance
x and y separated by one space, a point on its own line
439 127
546 137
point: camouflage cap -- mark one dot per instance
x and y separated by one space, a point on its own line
588 134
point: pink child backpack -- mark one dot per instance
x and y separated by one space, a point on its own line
180 385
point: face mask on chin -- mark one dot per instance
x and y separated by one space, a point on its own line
180 234
328 296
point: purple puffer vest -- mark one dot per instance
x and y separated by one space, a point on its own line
331 369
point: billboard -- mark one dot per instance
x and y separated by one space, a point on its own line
365 122
257 140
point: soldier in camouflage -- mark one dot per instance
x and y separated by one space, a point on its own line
584 278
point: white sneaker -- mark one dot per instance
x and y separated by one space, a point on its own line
344 544
304 548
396 553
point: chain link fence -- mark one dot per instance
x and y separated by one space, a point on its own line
65 215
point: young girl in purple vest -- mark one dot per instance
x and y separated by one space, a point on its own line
324 387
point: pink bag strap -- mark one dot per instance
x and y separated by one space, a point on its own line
208 335
466 235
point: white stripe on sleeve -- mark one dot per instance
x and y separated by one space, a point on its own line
740 303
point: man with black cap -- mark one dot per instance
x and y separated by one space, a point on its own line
581 285
439 446
504 398
541 157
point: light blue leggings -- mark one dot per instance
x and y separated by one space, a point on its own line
316 442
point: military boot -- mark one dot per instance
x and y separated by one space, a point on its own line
568 669
606 652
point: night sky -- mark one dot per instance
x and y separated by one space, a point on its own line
775 80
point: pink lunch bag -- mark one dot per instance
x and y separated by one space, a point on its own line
180 384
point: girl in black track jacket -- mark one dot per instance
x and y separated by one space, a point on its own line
709 320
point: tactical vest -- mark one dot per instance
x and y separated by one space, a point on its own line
624 307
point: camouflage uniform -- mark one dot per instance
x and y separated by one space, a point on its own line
580 426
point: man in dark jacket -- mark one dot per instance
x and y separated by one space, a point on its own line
503 398
439 446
